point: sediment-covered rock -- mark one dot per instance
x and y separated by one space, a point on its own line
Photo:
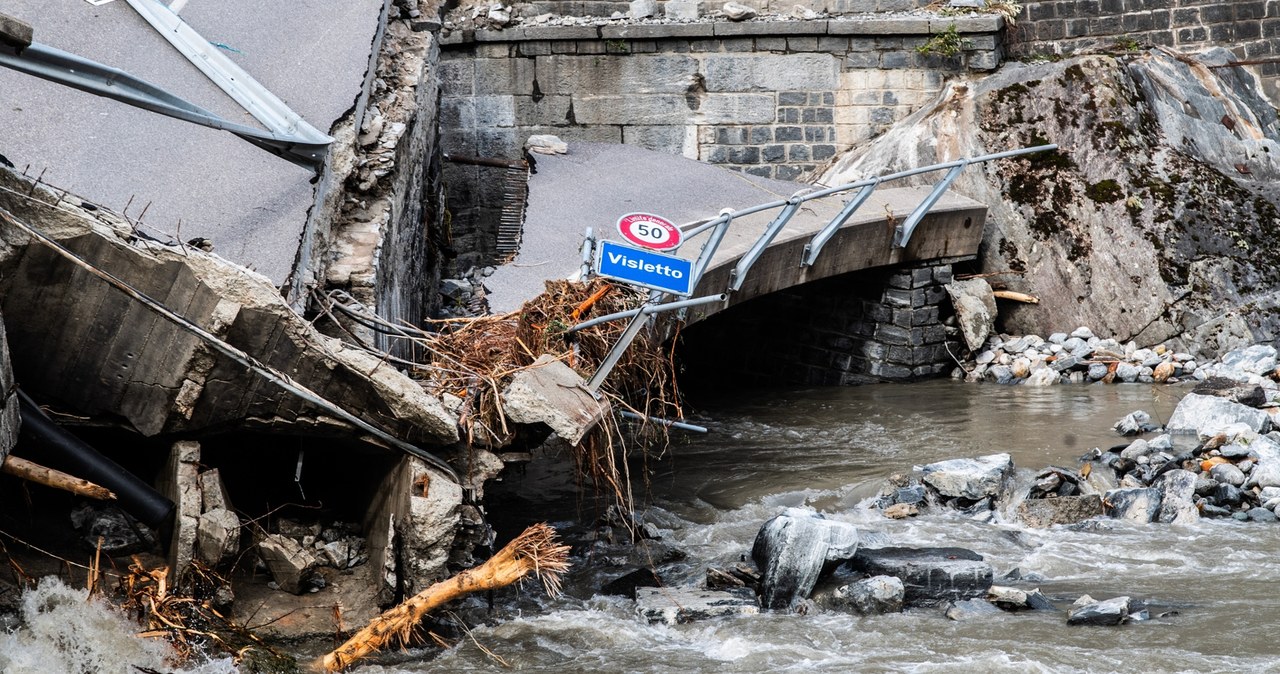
675 606
973 479
1090 612
1046 512
791 551
929 575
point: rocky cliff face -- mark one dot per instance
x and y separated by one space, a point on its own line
1155 221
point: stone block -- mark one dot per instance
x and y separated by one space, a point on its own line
213 493
771 44
669 139
458 76
217 537
639 74
792 72
654 109
677 606
290 565
503 76
14 32
494 111
1046 512
930 576
687 10
736 109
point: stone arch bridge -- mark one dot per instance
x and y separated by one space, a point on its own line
834 293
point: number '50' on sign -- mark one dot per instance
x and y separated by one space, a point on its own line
649 230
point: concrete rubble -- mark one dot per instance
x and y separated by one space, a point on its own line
551 393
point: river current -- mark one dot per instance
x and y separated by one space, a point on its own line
1214 583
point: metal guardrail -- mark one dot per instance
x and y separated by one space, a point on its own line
288 135
719 225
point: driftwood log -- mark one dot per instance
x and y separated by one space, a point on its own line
535 551
34 472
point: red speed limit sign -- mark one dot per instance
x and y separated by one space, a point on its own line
649 230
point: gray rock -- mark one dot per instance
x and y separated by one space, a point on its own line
1046 512
546 144
1109 612
1082 333
642 9
1228 495
1228 474
1236 451
930 575
1097 371
1258 359
737 11
1135 449
975 309
217 537
973 479
970 609
1058 338
676 606
869 596
791 549
1224 387
1177 498
1133 504
290 565
1207 416
1064 363
1126 373
683 10
1016 345
1134 423
1261 514
627 584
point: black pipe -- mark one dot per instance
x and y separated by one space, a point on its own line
79 459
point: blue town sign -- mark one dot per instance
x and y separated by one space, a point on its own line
667 273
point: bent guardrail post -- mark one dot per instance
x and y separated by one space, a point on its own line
739 273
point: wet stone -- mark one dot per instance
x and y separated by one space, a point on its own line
791 550
1109 612
969 478
1046 512
868 596
929 575
676 606
1133 504
1261 514
970 609
627 585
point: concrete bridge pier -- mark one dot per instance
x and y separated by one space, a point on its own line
878 324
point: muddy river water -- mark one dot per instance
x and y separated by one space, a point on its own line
832 449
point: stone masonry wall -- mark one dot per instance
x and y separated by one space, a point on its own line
879 324
1249 28
773 99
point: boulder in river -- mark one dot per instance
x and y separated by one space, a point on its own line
1134 423
970 609
626 585
1046 512
791 551
1206 416
1177 498
972 479
674 606
1133 504
930 575
868 596
1109 612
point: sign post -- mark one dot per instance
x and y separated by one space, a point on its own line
636 266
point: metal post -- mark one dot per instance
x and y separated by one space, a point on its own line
615 354
739 274
665 422
814 247
711 246
650 309
902 235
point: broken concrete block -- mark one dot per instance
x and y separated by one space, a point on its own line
546 144
213 493
217 537
180 483
675 606
975 310
686 10
551 393
642 9
290 565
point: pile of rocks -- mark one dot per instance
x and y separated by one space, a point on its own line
296 553
465 296
1217 459
1075 358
